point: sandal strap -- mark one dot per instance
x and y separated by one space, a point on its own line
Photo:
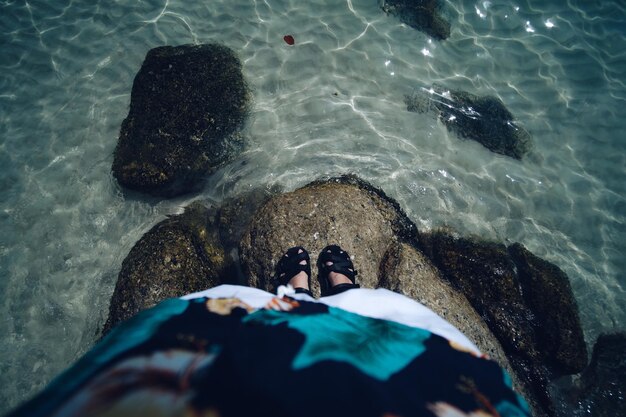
304 291
341 266
289 265
341 262
338 289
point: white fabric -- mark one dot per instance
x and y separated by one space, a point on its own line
380 304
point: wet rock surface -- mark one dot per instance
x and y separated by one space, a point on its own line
423 15
548 294
187 104
527 303
602 386
409 272
484 119
178 256
485 274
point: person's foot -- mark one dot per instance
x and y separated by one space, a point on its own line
294 268
336 278
301 279
336 270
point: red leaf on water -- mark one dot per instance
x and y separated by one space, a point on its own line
289 39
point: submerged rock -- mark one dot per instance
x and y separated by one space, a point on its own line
178 256
187 104
602 390
423 15
548 294
483 119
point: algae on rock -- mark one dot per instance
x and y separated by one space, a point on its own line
526 301
187 105
178 256
548 294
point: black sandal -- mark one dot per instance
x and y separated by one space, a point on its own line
341 263
289 266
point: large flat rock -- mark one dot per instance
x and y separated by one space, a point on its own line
516 307
344 211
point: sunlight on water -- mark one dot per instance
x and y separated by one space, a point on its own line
332 103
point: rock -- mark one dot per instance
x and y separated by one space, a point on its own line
235 214
423 15
187 104
345 211
178 256
548 294
382 243
409 272
603 383
533 377
526 301
483 119
485 274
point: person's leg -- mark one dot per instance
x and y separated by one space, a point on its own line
294 269
337 272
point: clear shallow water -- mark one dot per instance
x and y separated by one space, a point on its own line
333 103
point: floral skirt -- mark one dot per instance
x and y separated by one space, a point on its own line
290 357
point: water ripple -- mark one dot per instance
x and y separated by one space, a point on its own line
330 104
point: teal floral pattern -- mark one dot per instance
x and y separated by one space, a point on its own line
377 348
221 357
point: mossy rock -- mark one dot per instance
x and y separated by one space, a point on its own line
526 301
178 256
187 105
